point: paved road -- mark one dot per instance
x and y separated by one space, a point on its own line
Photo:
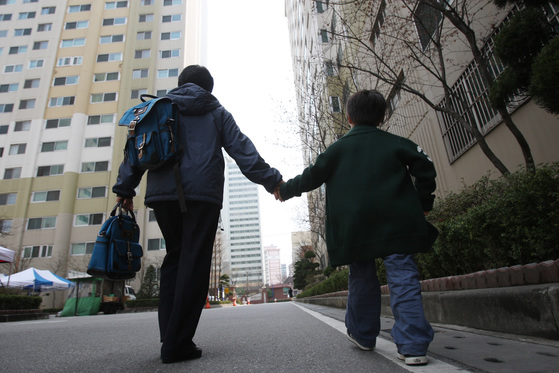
282 337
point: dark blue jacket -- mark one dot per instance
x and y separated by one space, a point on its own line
205 128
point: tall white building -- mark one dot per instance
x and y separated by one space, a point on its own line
272 265
241 222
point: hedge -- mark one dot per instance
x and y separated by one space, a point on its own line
19 302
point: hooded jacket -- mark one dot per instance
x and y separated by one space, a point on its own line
205 127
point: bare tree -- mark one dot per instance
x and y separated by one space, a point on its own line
217 263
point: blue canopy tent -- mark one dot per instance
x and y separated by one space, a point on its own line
36 280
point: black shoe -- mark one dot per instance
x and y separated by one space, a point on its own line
191 353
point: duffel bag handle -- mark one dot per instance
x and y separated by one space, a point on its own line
119 207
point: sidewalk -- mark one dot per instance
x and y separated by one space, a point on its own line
476 350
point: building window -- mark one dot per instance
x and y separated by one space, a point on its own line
167 73
82 248
69 61
13 69
146 18
147 2
22 31
105 77
321 6
76 25
162 92
111 39
39 251
41 223
151 215
22 125
114 21
44 27
62 101
56 123
427 21
335 104
3 33
12 173
31 83
16 149
4 129
116 4
8 199
48 10
9 2
26 15
143 35
329 67
171 18
156 244
175 35
98 142
34 64
68 43
171 53
52 146
88 219
6 108
40 45
6 226
79 8
103 97
136 93
109 57
95 166
57 169
140 73
45 196
20 49
324 36
142 53
8 87
171 2
100 119
27 104
66 80
92 192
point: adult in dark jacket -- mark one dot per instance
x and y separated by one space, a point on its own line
375 210
205 128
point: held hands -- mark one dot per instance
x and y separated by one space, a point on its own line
277 193
127 203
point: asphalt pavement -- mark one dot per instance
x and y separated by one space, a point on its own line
277 337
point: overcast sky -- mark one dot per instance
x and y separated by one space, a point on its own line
248 55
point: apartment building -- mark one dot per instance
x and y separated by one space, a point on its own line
243 259
341 47
69 71
272 265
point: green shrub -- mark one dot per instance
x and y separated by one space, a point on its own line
139 303
19 302
496 223
336 282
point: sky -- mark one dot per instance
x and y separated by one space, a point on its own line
249 56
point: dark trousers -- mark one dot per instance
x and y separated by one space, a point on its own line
185 272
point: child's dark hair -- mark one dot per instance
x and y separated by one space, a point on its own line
366 108
198 75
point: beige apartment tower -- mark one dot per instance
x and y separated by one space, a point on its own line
69 71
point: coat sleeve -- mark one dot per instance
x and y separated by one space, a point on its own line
243 151
312 177
127 180
421 167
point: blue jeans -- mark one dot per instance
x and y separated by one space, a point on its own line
412 333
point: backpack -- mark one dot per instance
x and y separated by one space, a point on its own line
153 133
117 254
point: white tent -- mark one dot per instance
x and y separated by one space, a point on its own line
36 280
6 255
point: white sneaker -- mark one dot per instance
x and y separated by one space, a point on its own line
352 340
413 360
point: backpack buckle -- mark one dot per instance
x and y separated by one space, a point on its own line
132 128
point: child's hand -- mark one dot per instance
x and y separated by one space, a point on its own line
277 193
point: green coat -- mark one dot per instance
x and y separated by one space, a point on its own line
373 208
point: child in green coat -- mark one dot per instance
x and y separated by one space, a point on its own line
374 209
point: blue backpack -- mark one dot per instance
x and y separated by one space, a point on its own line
117 254
153 133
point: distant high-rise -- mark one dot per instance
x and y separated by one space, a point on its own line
241 222
272 261
69 71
